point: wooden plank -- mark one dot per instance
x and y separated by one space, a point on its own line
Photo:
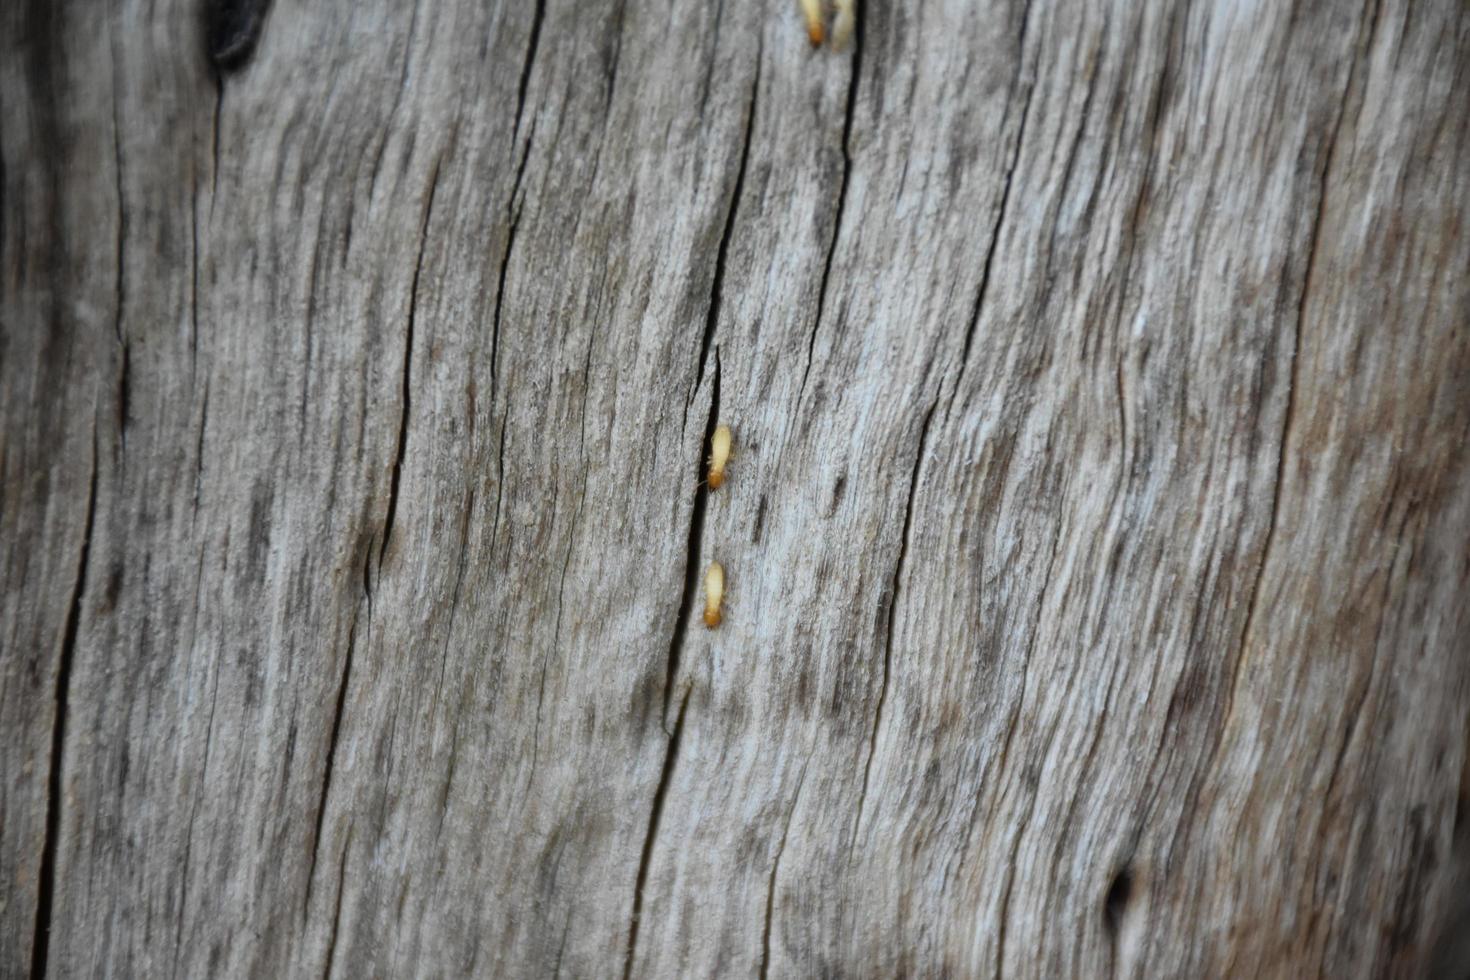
1094 538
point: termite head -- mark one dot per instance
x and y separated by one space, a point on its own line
812 11
714 593
719 455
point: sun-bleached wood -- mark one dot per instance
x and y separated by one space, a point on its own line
1096 533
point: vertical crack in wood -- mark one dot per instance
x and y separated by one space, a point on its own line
775 869
692 549
499 480
194 284
120 281
1000 215
717 290
612 69
199 464
219 108
46 888
124 396
848 112
406 391
532 47
646 858
513 213
894 586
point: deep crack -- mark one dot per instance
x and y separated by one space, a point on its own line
407 385
893 592
653 822
46 889
848 112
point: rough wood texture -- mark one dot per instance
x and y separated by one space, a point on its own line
1096 538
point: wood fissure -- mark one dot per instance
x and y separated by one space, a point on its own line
693 548
532 46
711 320
849 110
1000 213
406 391
895 585
645 858
55 792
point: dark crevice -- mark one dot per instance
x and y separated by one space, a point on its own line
531 48
718 288
514 213
1115 902
46 888
499 480
499 301
848 112
1000 215
120 287
219 108
367 578
771 881
693 547
193 281
407 387
646 858
233 30
124 394
617 57
893 592
199 449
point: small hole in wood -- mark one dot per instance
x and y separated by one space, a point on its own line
1120 889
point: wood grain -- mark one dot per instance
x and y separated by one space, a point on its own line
1095 536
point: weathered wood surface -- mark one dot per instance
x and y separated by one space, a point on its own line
1096 541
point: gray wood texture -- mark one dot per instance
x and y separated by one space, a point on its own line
1097 537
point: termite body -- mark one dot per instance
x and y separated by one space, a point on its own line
812 11
714 593
719 455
